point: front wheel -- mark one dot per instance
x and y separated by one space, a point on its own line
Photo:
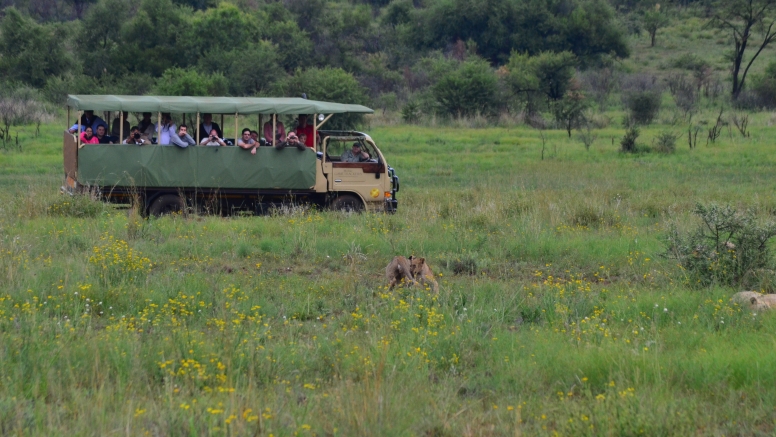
347 203
166 204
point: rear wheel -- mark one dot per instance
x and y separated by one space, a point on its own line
166 204
347 203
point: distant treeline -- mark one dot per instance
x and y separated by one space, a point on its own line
450 56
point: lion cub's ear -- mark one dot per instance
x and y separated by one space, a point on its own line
411 257
423 260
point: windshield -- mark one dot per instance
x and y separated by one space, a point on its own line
342 148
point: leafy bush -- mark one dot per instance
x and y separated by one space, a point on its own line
765 87
410 112
666 142
76 206
468 90
727 248
628 142
547 75
642 97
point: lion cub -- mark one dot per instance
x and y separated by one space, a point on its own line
755 301
422 273
399 271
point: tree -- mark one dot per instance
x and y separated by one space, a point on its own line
653 21
587 28
570 111
546 75
31 52
154 38
327 84
469 89
744 20
99 39
79 6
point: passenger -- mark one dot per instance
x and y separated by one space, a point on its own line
88 119
167 130
207 125
101 137
146 127
116 132
135 137
307 130
87 136
280 136
182 139
302 138
293 141
355 154
246 142
213 139
254 135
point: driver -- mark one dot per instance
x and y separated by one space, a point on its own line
355 154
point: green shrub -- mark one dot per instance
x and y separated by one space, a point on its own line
643 106
468 90
727 248
765 87
75 206
410 112
666 142
628 142
642 97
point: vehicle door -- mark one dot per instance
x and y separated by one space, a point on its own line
364 178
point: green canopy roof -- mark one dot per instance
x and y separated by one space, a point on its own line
215 105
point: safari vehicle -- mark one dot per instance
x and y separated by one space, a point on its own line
222 180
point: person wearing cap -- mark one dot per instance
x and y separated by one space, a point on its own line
355 154
293 141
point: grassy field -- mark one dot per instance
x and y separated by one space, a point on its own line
556 314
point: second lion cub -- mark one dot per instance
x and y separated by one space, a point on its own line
398 272
422 273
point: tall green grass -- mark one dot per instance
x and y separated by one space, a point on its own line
556 311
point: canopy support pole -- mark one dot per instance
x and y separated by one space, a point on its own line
121 126
222 124
236 134
323 122
198 128
315 130
67 120
274 128
159 127
80 114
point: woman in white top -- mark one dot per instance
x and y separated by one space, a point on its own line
213 139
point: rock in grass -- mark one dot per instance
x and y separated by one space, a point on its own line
754 300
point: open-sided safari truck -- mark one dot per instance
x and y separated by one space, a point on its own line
225 179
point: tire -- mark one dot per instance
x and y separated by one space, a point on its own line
347 203
166 204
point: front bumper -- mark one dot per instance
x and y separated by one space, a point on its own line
391 204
